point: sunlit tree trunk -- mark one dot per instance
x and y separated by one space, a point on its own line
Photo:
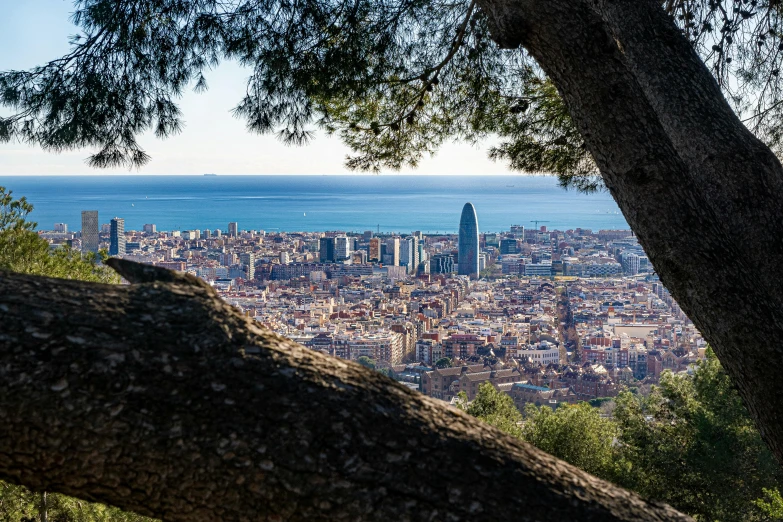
702 194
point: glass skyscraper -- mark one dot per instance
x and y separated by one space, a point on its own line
117 237
468 261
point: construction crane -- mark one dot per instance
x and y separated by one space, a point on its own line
537 221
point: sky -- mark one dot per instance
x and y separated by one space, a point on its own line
33 32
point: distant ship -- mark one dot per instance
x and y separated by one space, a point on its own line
210 174
509 186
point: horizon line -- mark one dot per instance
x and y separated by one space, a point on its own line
345 174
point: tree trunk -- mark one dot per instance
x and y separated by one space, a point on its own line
162 399
43 509
702 194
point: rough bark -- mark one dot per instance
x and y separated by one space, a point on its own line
162 399
699 190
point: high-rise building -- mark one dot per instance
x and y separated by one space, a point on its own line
117 237
61 227
248 259
508 246
409 253
374 253
442 264
89 230
149 228
233 229
326 250
468 260
342 248
393 251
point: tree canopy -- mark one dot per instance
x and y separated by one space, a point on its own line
656 94
690 443
393 79
22 250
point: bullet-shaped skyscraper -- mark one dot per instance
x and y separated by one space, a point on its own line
468 242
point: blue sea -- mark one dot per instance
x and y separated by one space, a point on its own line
314 203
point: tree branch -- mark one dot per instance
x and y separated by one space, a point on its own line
162 399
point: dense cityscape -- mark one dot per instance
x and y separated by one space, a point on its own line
545 316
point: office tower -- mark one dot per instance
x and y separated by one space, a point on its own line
517 231
105 228
205 234
468 259
149 228
89 230
409 253
326 250
218 233
508 246
342 248
442 264
117 237
61 227
374 252
393 251
406 256
248 259
233 229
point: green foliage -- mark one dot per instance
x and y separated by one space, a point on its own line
693 444
771 505
366 362
599 401
18 504
576 434
443 362
14 212
690 443
542 138
496 408
22 250
462 401
388 372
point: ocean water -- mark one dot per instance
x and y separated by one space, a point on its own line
314 203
